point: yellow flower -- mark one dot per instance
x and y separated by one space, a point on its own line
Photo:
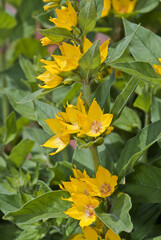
110 235
46 41
88 234
78 174
70 56
95 122
158 67
123 6
66 17
106 8
104 184
61 138
51 4
51 77
66 62
76 186
83 209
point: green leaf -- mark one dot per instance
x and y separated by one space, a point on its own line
155 109
144 185
141 7
9 202
123 98
118 219
155 238
34 95
102 93
44 111
62 171
128 121
10 128
112 142
6 20
38 136
140 70
72 93
28 69
83 144
48 205
10 234
143 101
14 95
118 49
87 17
144 218
136 146
34 232
141 48
56 34
29 47
82 158
20 152
90 61
99 7
3 164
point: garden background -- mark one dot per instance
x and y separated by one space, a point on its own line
80 137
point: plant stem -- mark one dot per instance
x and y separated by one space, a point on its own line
87 94
95 157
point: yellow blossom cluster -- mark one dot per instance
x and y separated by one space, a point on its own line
75 120
119 6
85 195
67 61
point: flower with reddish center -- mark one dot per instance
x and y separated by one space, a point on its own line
83 209
95 122
104 184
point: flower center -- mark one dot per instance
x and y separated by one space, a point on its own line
96 126
89 210
105 189
86 192
123 9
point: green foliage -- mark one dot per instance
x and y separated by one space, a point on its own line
126 85
44 111
87 17
118 218
6 21
143 182
136 146
48 205
56 34
20 152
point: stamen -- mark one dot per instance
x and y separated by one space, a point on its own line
105 189
96 126
89 211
